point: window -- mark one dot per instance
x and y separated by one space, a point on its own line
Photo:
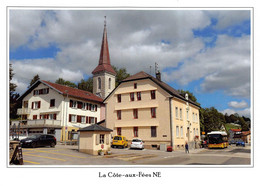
193 116
41 91
73 104
119 131
135 113
176 112
92 120
153 94
196 117
101 138
109 83
99 83
135 85
181 131
72 118
84 106
25 104
197 132
187 114
153 131
138 96
135 131
83 119
132 96
36 104
180 113
52 103
153 112
177 131
119 114
92 107
119 98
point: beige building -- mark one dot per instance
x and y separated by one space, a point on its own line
145 107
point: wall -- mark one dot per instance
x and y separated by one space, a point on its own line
144 121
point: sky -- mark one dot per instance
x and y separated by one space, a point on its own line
204 51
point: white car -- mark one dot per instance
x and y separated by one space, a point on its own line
137 144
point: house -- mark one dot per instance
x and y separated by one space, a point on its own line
246 136
145 107
51 108
234 134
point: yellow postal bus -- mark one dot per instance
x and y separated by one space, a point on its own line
217 139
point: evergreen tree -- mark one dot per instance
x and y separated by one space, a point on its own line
121 74
34 79
86 85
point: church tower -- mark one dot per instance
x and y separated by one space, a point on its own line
104 75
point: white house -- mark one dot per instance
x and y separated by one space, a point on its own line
56 109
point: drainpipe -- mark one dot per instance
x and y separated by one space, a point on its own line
171 127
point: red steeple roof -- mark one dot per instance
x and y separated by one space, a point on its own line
104 59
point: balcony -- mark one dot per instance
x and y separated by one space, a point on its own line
44 123
23 111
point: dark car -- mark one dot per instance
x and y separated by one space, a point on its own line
39 140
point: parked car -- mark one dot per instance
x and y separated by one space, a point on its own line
232 142
137 144
240 143
119 141
38 140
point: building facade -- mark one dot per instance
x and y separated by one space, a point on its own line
145 107
50 108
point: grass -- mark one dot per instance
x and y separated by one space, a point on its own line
231 126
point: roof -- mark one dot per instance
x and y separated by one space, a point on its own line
235 130
66 90
245 133
166 87
95 127
104 58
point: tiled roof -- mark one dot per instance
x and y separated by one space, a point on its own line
95 127
236 130
74 92
166 87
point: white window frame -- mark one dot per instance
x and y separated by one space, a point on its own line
75 118
176 112
83 119
181 113
181 131
177 131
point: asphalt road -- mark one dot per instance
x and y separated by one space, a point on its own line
68 155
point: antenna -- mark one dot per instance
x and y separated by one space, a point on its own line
150 70
105 21
156 67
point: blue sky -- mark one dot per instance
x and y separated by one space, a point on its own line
206 52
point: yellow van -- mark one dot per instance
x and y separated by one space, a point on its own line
119 141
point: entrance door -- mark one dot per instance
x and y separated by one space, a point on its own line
188 133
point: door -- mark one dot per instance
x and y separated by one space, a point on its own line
42 141
188 134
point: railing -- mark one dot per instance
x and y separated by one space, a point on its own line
22 111
44 122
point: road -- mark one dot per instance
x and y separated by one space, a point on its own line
68 155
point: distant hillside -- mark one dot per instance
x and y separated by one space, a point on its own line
232 126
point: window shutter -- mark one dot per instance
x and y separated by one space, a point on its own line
95 107
54 116
87 119
78 119
70 118
39 104
32 104
47 90
95 120
34 92
97 139
71 103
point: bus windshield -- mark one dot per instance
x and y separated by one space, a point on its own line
215 138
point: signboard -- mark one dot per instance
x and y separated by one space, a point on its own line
17 157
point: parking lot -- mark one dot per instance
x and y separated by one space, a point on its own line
69 155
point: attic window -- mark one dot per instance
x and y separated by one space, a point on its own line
135 85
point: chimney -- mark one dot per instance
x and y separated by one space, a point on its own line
158 75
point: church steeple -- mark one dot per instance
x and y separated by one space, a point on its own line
104 74
104 58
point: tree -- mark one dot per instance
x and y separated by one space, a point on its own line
121 74
61 81
34 79
191 96
14 104
86 85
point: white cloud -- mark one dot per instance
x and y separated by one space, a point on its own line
235 104
245 112
224 67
